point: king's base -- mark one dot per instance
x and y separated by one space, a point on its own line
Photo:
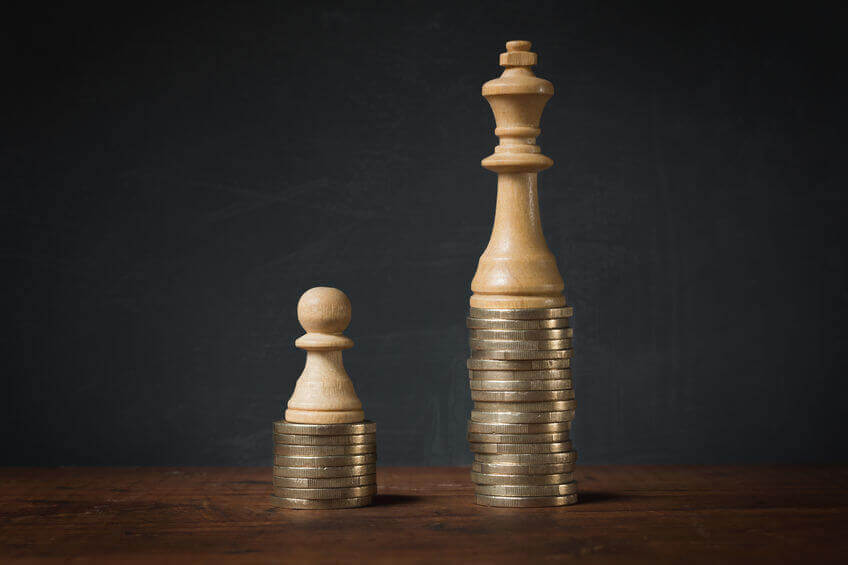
507 301
324 466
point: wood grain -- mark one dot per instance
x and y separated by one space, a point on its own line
634 514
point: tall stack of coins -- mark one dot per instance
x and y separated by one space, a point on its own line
520 376
321 466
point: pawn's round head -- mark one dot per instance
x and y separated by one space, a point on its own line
323 310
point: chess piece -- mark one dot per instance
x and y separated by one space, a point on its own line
517 270
324 393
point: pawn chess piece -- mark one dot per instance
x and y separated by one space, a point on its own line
517 270
324 393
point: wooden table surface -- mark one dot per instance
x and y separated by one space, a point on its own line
637 514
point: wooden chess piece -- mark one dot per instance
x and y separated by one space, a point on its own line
324 393
517 270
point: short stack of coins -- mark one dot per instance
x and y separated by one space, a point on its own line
323 466
520 379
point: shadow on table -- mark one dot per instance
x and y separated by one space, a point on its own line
394 499
597 496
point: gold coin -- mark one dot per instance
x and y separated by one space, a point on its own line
525 502
526 458
488 479
552 406
338 482
507 355
325 493
541 375
306 504
518 386
284 427
527 365
512 448
517 438
522 335
522 313
302 439
507 428
526 469
495 324
522 417
521 396
519 345
325 461
324 472
319 450
527 490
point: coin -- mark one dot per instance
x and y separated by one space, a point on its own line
319 450
519 344
522 313
303 439
306 504
300 482
284 427
488 479
518 386
521 395
496 324
527 490
554 333
517 438
324 472
527 365
522 417
552 406
540 375
507 428
325 493
511 448
522 469
325 461
520 355
526 458
525 502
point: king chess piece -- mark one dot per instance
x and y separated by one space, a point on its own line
519 326
517 270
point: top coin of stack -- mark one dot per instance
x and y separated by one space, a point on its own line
325 454
519 427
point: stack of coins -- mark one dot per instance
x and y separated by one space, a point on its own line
322 466
520 375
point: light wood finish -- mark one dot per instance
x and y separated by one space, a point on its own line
634 514
517 270
324 393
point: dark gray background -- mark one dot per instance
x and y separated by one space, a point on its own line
175 177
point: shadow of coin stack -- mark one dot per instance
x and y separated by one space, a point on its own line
325 452
520 379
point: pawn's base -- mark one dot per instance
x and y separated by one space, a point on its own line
324 416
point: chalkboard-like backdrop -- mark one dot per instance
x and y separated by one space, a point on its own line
175 177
